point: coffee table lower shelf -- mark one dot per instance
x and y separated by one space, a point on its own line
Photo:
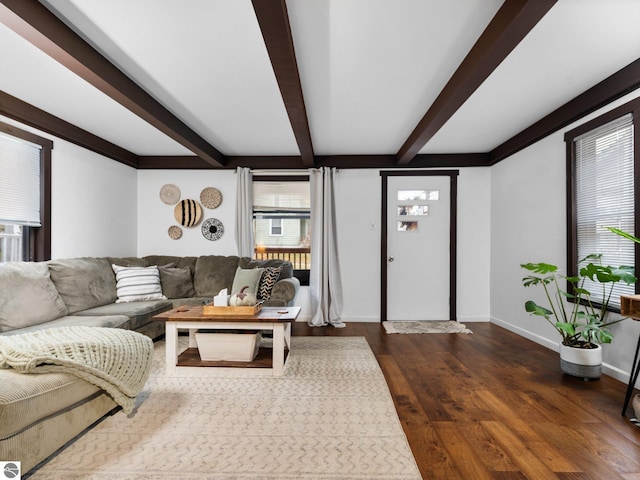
191 358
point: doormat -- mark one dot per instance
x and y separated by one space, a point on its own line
425 327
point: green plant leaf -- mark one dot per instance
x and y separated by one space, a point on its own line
583 292
535 309
566 294
566 327
624 234
626 274
532 280
541 268
591 257
604 336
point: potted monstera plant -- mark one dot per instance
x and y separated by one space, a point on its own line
581 322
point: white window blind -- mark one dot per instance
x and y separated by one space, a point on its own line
19 182
605 197
281 199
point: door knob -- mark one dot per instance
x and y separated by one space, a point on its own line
390 259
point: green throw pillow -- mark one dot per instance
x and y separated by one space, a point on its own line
247 278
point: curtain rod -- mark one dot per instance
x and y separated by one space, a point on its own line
279 172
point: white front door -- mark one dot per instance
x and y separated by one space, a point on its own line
419 248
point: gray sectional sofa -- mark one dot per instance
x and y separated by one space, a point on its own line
39 413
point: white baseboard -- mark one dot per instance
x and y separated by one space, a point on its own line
473 319
306 318
545 342
607 369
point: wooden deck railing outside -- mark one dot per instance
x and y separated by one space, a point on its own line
300 257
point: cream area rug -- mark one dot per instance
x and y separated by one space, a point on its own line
425 327
330 416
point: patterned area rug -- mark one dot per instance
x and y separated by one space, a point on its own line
330 416
425 327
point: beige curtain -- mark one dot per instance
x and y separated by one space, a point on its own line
325 285
244 212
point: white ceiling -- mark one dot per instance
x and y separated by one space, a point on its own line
369 70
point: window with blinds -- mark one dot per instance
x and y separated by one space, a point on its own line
19 182
605 197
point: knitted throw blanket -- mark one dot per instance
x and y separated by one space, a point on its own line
116 360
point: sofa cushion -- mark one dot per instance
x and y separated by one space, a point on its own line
83 283
247 277
111 321
26 399
176 282
137 284
213 273
127 261
139 313
287 267
178 262
28 296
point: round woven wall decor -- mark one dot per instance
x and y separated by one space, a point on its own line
188 213
170 194
211 197
175 232
212 229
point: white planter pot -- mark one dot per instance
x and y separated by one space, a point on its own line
585 363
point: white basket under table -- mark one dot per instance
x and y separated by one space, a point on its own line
192 318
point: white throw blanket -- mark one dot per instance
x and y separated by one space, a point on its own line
116 360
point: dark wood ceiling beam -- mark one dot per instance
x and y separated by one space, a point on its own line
613 87
274 24
174 162
452 160
27 114
35 23
513 21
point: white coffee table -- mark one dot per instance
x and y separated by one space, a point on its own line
276 319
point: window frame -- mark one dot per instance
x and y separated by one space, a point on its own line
272 226
632 107
301 275
37 240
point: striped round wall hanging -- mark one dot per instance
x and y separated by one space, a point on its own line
188 213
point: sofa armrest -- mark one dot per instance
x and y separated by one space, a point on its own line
285 290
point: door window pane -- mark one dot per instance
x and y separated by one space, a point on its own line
413 210
411 195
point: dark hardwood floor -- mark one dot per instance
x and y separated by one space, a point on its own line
494 405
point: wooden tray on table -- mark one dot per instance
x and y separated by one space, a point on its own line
245 311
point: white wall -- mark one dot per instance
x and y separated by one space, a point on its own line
93 202
155 217
528 224
358 196
474 244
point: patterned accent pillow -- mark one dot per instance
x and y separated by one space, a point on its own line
267 281
138 284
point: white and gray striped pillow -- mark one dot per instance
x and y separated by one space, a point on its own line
137 284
